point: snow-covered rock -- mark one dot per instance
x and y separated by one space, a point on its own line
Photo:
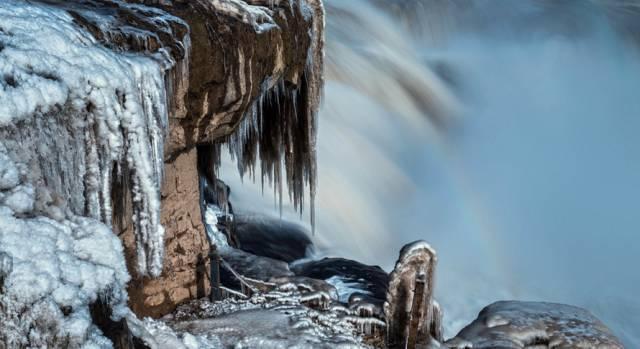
512 324
239 80
80 113
348 277
412 316
52 271
88 93
90 90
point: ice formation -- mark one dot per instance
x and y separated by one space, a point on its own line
411 317
276 319
260 17
76 118
511 324
53 266
346 287
102 114
211 216
279 127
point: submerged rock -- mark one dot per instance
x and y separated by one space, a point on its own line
272 237
349 277
513 324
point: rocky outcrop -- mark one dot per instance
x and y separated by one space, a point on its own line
244 58
239 58
516 325
240 51
350 277
413 317
272 237
240 72
75 115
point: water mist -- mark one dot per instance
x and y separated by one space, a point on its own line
504 133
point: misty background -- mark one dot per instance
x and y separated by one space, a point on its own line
504 133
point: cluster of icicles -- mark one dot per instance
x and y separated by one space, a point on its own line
110 108
279 130
134 170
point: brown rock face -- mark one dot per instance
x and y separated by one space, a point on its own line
413 321
185 272
234 60
236 56
247 72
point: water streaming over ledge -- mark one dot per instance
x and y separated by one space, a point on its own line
504 133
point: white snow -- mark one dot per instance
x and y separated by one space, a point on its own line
271 320
8 171
49 267
216 237
48 63
535 324
259 17
107 110
78 109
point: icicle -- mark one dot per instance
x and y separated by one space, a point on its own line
121 98
279 127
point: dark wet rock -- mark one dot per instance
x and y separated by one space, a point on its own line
254 267
515 325
348 277
272 237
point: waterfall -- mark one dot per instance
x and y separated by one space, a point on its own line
504 133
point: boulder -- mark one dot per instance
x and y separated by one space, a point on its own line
271 237
348 276
516 325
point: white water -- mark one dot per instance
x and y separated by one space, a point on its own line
529 190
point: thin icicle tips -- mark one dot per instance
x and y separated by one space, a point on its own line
279 128
314 73
277 133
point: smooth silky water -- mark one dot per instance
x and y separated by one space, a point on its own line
505 133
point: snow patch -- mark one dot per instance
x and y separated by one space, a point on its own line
51 272
277 319
216 237
49 64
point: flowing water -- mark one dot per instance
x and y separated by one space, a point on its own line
505 133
